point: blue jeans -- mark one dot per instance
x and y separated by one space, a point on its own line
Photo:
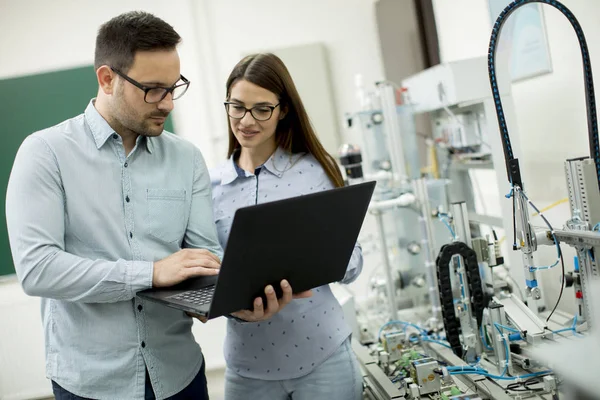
338 378
196 390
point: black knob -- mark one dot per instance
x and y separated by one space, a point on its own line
569 280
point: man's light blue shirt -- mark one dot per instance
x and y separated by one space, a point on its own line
85 223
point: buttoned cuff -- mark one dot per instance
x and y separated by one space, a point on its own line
140 275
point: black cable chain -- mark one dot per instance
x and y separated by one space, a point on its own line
451 323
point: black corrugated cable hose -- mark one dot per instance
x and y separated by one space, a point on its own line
451 323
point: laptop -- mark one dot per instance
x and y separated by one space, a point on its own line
307 240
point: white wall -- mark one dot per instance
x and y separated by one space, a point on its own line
551 118
40 36
22 372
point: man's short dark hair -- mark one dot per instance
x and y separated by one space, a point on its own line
120 38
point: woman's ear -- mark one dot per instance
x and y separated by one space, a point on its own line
283 112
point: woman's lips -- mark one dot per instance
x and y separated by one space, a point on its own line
247 132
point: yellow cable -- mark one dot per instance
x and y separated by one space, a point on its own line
556 203
434 162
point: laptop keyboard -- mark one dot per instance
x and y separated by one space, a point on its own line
200 296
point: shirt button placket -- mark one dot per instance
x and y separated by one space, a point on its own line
128 205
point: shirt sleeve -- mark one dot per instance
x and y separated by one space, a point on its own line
201 231
35 215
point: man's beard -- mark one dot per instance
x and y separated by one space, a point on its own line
143 126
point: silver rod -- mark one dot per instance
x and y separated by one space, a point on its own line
461 222
387 266
392 130
420 188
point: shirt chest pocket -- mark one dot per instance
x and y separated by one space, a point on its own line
166 214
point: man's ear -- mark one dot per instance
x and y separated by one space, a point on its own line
106 79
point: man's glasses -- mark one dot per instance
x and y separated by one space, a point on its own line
259 113
156 94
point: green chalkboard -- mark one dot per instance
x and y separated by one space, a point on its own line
32 103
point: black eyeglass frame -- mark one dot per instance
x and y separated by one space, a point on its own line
147 89
272 108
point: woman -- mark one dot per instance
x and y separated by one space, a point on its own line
303 351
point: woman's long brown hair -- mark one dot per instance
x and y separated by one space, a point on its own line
294 132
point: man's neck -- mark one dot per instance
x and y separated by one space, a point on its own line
129 137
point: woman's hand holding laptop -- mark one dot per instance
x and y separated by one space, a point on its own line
274 305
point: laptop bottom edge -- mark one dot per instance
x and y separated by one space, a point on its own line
200 309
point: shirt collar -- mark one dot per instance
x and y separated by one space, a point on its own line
101 130
277 164
242 173
280 162
150 143
229 172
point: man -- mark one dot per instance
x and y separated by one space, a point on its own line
105 205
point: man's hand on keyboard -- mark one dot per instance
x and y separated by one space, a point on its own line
274 305
184 264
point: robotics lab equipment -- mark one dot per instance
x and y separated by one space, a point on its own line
470 333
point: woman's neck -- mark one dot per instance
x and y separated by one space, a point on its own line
252 158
